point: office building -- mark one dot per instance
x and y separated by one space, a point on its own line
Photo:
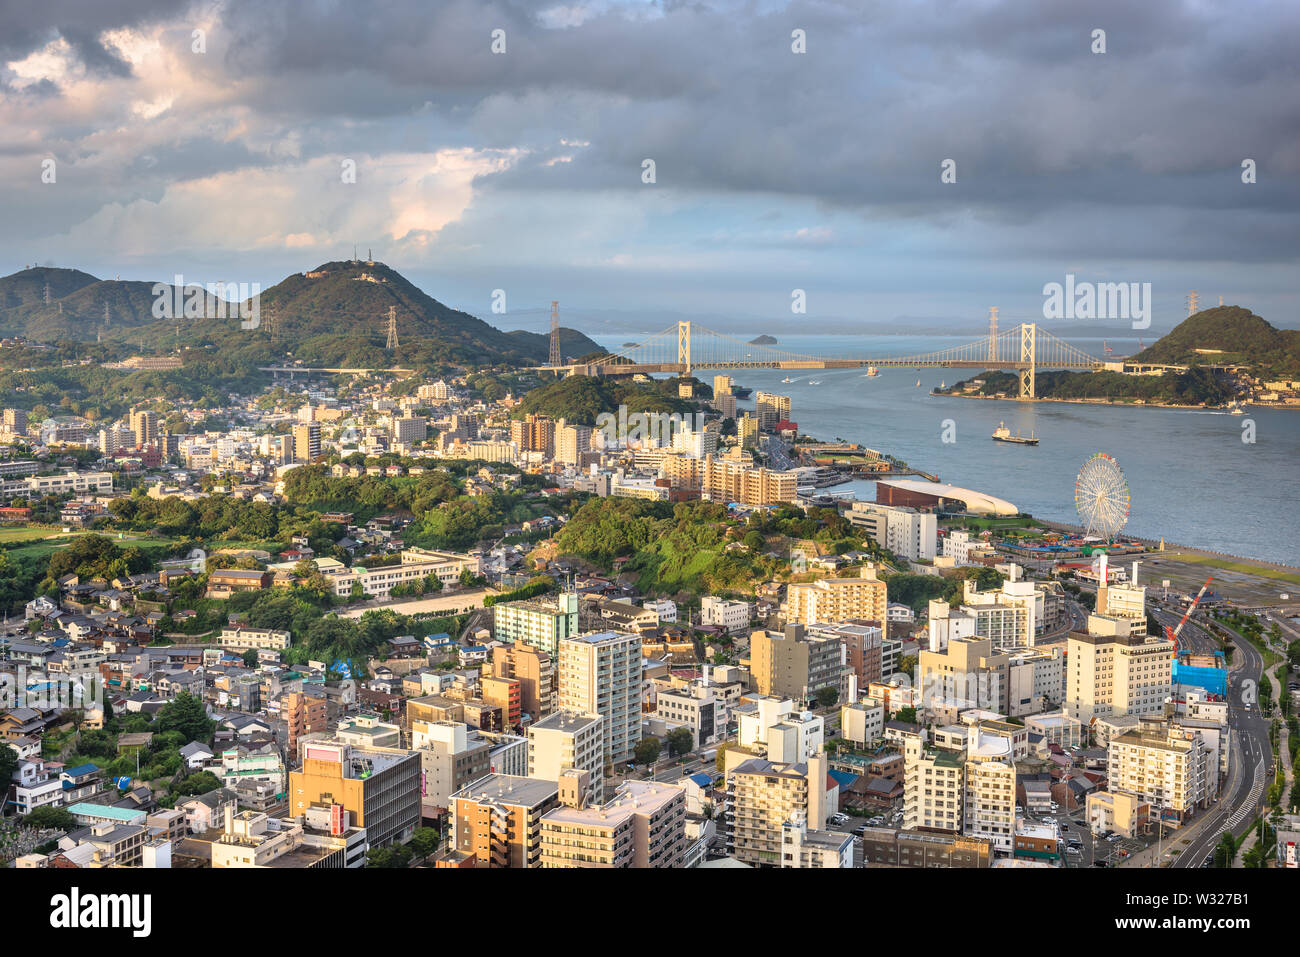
571 443
1112 673
380 787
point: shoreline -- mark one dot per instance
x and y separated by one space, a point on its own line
1111 402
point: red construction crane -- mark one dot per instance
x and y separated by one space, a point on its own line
1172 633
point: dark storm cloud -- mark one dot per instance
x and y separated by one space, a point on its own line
1012 92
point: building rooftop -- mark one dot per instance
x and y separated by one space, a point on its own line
565 720
509 789
632 798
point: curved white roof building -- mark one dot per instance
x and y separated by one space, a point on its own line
915 492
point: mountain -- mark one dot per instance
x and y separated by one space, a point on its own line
1238 334
333 315
29 286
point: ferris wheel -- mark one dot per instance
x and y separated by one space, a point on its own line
1101 496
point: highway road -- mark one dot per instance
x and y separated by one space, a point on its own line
1251 753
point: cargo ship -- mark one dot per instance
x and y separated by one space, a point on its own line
1003 434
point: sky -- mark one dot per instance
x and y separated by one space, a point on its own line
215 140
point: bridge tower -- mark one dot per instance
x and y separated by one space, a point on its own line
684 347
1028 352
993 333
555 357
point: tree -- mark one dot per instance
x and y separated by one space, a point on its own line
396 855
8 764
907 715
827 696
185 714
647 751
200 782
425 841
680 741
52 818
250 658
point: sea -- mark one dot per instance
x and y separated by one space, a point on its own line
1192 479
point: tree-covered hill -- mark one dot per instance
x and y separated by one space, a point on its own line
1239 334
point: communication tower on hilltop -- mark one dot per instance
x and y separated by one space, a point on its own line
555 358
1193 302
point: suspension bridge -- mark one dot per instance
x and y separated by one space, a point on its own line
688 347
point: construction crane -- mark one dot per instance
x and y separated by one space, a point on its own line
1172 633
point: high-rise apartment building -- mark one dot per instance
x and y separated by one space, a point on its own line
902 530
410 429
795 664
864 645
762 797
600 673
145 426
969 673
569 740
1170 766
306 441
571 441
643 825
534 669
498 819
451 756
534 433
541 624
771 409
304 715
837 599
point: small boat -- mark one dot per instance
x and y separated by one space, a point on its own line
943 384
814 381
872 372
1236 409
1003 434
918 383
787 379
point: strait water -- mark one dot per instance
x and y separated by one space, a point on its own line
1191 477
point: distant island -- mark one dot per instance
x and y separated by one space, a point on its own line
763 341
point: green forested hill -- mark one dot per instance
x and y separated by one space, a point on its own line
334 315
1242 337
